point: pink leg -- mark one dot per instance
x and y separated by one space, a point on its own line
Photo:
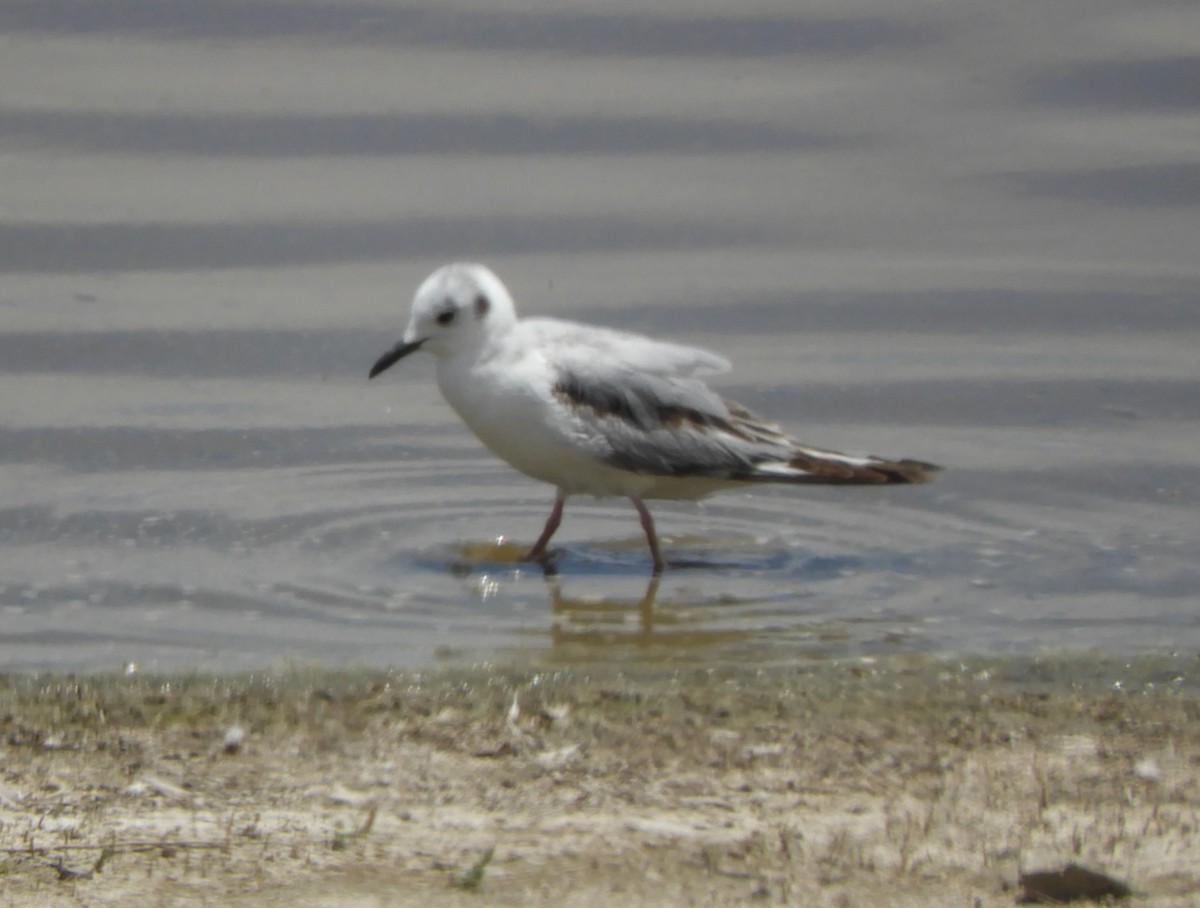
555 518
651 535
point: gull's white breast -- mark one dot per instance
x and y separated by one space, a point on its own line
506 397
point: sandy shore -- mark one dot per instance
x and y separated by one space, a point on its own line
899 783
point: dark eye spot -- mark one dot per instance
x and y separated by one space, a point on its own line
482 305
445 318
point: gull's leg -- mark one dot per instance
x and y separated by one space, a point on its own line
651 535
552 522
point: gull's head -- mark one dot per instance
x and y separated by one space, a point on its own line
455 310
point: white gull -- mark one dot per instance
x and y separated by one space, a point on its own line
601 412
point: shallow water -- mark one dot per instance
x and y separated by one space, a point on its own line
963 234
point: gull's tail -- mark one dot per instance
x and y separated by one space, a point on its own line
794 462
812 465
832 468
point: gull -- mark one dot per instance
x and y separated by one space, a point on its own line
596 411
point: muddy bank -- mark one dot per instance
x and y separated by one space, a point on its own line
887 782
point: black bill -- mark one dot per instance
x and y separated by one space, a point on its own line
394 356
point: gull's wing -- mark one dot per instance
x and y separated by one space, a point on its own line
637 405
576 346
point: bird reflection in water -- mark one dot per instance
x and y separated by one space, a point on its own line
609 621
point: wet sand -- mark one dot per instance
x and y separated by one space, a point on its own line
899 782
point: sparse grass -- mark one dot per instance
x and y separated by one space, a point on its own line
472 878
342 839
816 784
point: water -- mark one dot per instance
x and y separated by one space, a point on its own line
961 233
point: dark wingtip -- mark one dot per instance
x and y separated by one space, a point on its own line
910 471
876 472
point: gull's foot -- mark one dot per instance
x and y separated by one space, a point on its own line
546 558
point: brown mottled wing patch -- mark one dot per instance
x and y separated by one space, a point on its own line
752 426
662 426
645 402
877 472
819 466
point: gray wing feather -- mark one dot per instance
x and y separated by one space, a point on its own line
598 350
661 425
635 403
677 427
